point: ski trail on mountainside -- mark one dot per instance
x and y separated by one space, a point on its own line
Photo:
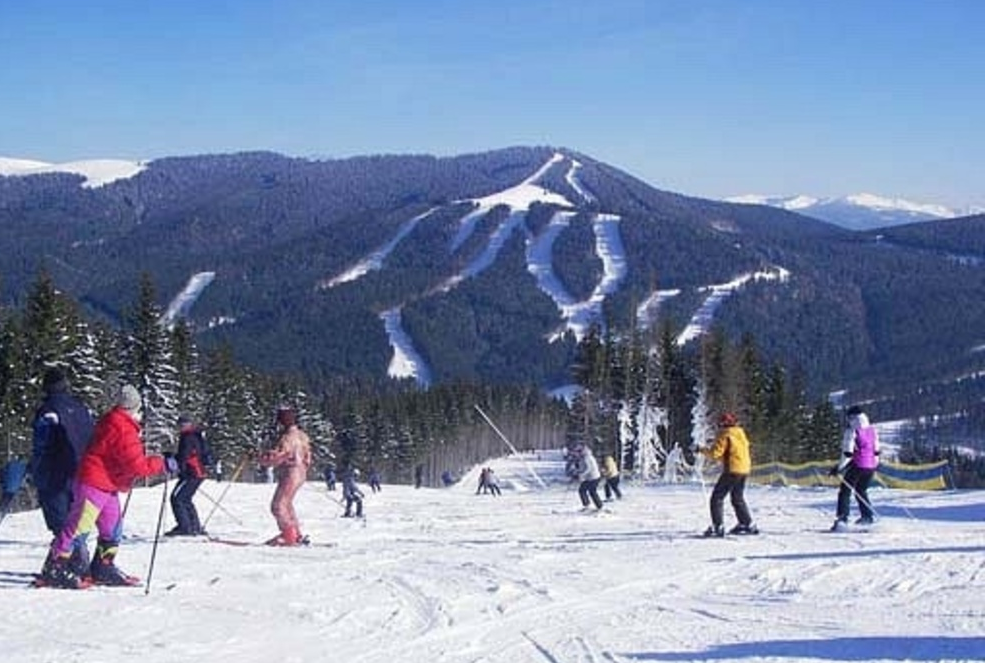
374 261
701 320
406 362
518 198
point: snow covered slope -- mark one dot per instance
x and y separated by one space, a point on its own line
447 576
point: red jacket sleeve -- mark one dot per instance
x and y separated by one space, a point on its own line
115 458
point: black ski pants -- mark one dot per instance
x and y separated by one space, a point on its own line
183 507
612 488
856 480
735 486
590 490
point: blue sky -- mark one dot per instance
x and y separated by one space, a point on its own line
709 98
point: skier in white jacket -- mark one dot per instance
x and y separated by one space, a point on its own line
589 477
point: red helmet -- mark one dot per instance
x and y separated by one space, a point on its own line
728 419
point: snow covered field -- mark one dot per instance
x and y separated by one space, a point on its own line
442 575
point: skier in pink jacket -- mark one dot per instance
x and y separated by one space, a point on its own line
860 458
290 458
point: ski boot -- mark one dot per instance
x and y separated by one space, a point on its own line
58 572
290 536
744 529
716 531
105 572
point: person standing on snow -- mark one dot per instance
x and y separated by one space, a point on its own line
13 478
589 476
374 480
731 447
192 461
492 482
329 475
290 459
611 473
112 462
62 430
860 458
351 494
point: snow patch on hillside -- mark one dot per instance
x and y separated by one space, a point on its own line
518 198
701 321
406 361
97 172
374 261
183 302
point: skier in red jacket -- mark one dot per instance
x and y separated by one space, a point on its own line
111 463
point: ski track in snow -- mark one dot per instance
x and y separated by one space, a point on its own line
449 576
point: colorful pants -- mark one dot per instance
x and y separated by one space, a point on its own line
91 509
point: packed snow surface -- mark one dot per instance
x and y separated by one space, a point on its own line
446 576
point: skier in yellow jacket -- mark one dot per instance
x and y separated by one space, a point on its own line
731 447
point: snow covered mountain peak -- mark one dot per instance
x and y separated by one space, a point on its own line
861 211
97 172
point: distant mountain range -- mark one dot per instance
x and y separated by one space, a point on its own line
863 211
491 266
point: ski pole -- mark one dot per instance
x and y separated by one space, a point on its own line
157 535
229 484
858 497
219 506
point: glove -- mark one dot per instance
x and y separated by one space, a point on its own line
171 465
833 472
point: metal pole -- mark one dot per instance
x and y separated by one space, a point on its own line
157 535
510 445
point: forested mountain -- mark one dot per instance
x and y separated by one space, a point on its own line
493 265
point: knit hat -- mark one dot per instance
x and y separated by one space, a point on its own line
129 398
185 420
286 415
54 381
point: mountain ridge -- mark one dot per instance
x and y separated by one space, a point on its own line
440 241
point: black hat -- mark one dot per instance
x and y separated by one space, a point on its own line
185 420
286 416
54 380
854 410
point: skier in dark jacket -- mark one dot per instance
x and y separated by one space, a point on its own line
13 478
63 428
192 462
329 475
374 480
352 494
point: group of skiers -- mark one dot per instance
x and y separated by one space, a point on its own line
79 465
858 463
581 465
488 482
731 447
